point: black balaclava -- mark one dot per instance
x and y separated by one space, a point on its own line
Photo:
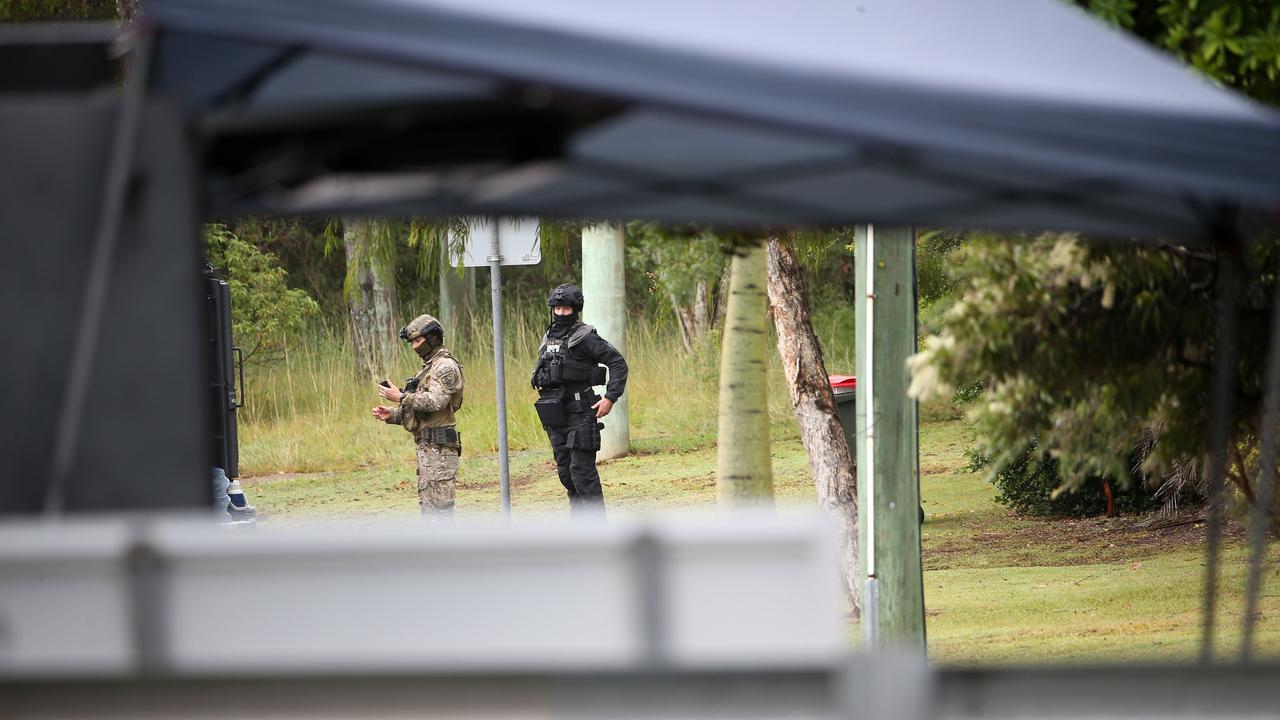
425 349
565 295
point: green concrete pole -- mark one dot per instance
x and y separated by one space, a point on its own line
887 430
605 287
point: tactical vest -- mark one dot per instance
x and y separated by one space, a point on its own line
416 422
560 369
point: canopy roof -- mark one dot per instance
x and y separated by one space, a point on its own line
1022 114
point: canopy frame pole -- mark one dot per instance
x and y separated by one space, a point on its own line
115 193
1264 492
1229 251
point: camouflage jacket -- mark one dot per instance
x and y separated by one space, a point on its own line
437 397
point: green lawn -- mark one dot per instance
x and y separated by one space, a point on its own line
999 588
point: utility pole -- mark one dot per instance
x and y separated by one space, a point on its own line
605 287
888 431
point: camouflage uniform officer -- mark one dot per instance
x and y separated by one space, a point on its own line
425 407
568 366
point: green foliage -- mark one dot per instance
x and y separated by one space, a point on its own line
968 394
1085 349
1115 12
675 260
265 311
1236 42
19 11
302 248
937 253
1030 484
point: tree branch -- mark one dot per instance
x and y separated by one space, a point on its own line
1241 476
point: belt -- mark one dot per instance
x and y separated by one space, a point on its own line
447 435
576 400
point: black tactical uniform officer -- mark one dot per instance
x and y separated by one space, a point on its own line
568 366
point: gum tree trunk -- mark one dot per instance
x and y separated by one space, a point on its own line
830 459
370 292
127 9
722 298
744 474
701 312
693 321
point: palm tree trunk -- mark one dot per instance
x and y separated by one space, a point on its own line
830 458
744 475
370 292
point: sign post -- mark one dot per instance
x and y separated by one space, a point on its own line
497 242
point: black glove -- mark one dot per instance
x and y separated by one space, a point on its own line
537 379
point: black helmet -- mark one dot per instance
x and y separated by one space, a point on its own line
568 295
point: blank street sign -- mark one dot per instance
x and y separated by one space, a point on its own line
517 242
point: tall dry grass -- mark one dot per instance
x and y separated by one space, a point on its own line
310 414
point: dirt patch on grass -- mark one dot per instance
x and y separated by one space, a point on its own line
277 477
519 479
968 541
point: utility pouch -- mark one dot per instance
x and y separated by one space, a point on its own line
551 412
585 437
409 420
555 372
598 376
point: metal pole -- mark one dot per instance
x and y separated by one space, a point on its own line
1223 387
499 369
871 594
1265 488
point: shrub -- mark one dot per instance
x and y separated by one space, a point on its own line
1031 485
264 310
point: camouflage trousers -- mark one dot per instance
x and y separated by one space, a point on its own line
437 467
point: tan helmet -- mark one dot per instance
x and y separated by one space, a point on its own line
421 325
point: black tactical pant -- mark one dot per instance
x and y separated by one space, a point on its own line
574 447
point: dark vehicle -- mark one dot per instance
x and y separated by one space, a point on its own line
225 363
226 395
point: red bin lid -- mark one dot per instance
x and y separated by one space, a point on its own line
843 381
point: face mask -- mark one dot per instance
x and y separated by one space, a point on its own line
425 349
564 320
